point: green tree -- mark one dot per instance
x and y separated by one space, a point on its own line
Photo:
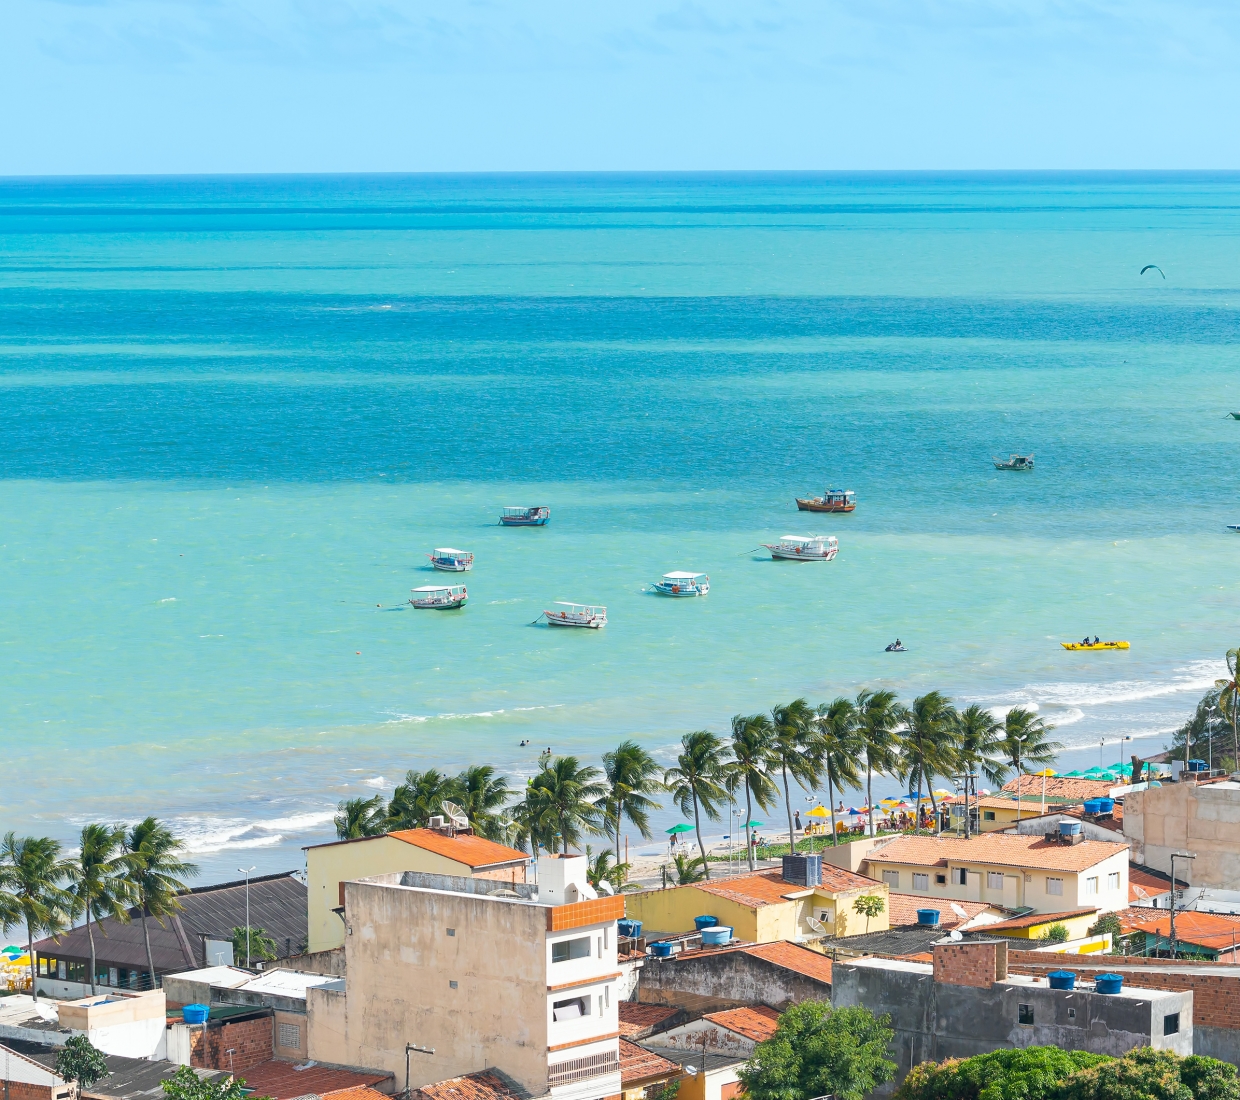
260 946
418 799
929 742
79 1061
185 1084
1148 1074
482 795
600 868
100 881
569 793
697 781
979 743
818 1051
1210 1078
1229 698
1026 739
1055 933
839 747
878 718
360 817
795 750
869 905
157 872
632 777
32 871
1108 922
750 768
1028 1073
689 870
531 820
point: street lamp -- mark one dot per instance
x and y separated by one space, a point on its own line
1126 737
1174 857
1020 744
246 871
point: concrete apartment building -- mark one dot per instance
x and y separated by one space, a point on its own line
1009 870
438 851
1201 818
488 974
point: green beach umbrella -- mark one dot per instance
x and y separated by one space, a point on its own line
752 825
681 828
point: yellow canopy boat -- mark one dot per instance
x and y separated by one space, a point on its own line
1094 645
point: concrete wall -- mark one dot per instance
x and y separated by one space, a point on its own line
726 979
1185 817
317 962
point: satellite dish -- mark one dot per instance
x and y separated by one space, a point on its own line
458 817
816 926
955 935
605 887
959 911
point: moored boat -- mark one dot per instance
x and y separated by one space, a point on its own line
832 500
804 548
591 616
439 597
1094 645
683 584
525 517
1233 527
1013 462
448 560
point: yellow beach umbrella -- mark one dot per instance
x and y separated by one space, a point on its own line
817 811
1046 774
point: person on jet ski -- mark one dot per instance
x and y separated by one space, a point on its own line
1096 639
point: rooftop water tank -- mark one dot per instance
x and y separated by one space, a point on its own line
1062 979
1106 805
629 928
1197 766
195 1014
929 917
1093 805
1069 828
803 870
717 936
705 922
1109 983
661 950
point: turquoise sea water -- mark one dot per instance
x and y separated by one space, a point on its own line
236 413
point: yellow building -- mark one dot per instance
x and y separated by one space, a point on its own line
1033 926
763 907
995 812
433 851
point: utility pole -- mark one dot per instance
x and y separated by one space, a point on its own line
1174 857
246 871
409 1049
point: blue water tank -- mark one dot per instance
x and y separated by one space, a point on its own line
705 922
929 917
1109 983
1062 979
1093 805
661 950
1069 828
630 928
1197 766
1106 805
195 1014
717 936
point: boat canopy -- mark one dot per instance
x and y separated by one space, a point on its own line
450 552
679 576
805 538
439 588
580 606
522 509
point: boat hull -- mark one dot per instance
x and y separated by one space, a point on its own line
780 554
814 505
452 567
439 605
521 521
1006 466
680 591
559 618
1099 646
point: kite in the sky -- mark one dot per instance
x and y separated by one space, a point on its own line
1153 267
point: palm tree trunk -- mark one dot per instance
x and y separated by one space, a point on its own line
835 837
146 938
1235 737
917 807
869 799
34 991
748 819
619 817
697 828
90 934
792 836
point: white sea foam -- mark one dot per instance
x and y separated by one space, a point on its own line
376 781
1196 677
207 836
296 823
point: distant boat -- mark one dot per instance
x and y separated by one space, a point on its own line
1233 527
439 597
1014 462
447 560
525 517
1234 416
1094 645
804 548
832 500
683 584
587 615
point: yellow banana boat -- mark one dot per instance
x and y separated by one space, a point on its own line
1095 645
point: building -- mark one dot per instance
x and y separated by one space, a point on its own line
1207 936
438 851
902 910
24 1078
706 1076
199 934
1200 818
765 907
733 1031
644 1071
486 973
1148 887
488 1084
1108 826
1040 873
1035 926
1057 788
965 1003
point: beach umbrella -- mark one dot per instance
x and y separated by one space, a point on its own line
681 828
752 825
944 795
817 811
1046 773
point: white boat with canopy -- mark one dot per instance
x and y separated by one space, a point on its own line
804 547
439 597
448 560
683 584
577 614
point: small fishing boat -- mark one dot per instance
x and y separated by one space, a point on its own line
439 597
525 517
1094 645
1233 527
832 500
683 584
1234 416
1013 462
804 548
590 616
447 560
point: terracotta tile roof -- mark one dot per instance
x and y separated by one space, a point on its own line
473 851
1031 920
794 957
1061 787
1144 884
283 1080
636 1019
358 1092
770 887
485 1085
902 910
757 1022
998 802
1203 929
637 1065
999 849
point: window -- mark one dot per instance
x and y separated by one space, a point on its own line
570 949
941 880
988 815
1113 880
1171 1024
1054 886
921 882
572 1009
1072 1014
452 985
994 880
600 1004
1091 886
960 876
290 1036
892 879
451 931
1024 1014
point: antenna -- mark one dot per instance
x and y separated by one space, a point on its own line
816 926
605 887
959 911
955 935
457 816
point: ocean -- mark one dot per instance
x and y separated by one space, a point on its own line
237 413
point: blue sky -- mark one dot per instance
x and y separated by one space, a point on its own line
121 86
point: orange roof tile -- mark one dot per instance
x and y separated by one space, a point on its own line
358 1092
1203 929
770 887
485 1085
757 1022
637 1065
637 1018
1032 920
1060 787
1143 884
792 956
999 849
473 851
283 1080
902 910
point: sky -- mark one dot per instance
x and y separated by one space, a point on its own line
195 86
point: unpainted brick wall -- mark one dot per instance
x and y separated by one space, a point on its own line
21 1090
251 1042
976 964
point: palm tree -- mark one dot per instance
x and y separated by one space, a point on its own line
878 718
632 777
481 794
1229 697
600 868
1024 738
929 742
979 748
156 874
569 793
418 799
697 781
531 821
360 817
751 761
31 872
100 882
840 746
793 749
689 871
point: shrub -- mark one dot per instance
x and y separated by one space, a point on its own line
80 1061
1146 1074
1056 933
1032 1073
